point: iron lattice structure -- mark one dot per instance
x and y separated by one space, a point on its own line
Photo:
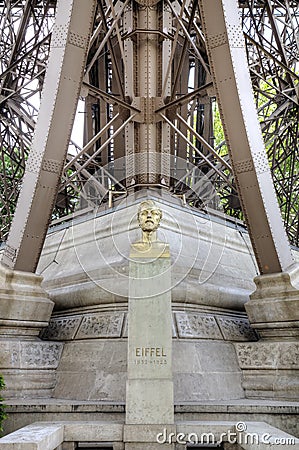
272 42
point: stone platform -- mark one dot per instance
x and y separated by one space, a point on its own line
86 275
85 268
282 415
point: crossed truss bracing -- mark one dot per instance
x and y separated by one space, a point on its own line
188 113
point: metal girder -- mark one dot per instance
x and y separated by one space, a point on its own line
182 71
73 26
226 49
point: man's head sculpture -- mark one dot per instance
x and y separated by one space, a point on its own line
149 216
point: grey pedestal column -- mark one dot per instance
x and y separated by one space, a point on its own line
149 396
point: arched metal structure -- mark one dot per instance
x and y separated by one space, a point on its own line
181 118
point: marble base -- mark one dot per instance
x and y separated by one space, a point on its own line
27 363
270 369
271 366
204 366
149 387
24 304
273 309
139 437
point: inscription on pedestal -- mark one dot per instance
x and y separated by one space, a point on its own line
150 356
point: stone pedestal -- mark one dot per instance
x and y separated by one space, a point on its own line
27 363
271 366
149 392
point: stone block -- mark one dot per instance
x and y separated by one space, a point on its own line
100 363
25 306
28 367
207 386
149 401
62 329
146 433
270 369
236 329
118 446
93 432
38 436
271 384
24 359
29 354
191 325
268 355
101 325
29 383
273 308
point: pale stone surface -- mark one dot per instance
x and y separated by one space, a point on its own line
149 401
273 308
48 436
280 414
28 367
206 370
101 325
24 304
197 325
145 433
27 363
272 384
268 355
139 437
37 436
214 258
270 367
194 324
29 383
102 364
212 272
92 370
93 431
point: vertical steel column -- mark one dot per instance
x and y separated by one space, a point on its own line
166 80
147 80
130 85
147 52
227 56
74 20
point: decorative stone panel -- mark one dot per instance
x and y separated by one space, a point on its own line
193 325
40 355
268 355
101 325
61 329
236 329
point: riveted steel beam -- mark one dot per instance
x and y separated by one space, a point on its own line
227 56
70 40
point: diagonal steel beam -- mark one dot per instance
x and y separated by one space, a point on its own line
227 55
74 20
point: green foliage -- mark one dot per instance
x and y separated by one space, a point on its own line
3 415
218 131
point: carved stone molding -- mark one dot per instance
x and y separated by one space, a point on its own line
62 329
194 325
40 355
186 324
268 355
236 329
101 325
